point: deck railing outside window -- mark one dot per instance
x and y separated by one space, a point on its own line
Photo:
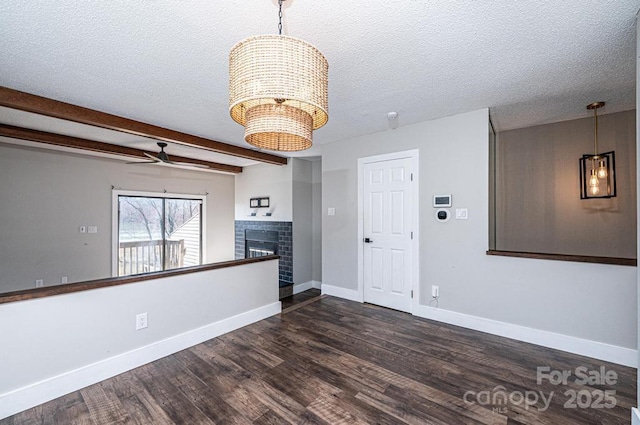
146 256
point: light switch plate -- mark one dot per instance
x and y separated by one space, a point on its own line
462 214
331 211
92 229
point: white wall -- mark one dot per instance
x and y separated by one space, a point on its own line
588 301
46 195
55 345
302 220
316 221
263 180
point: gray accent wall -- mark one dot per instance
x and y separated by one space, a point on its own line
302 220
316 221
596 302
47 195
538 189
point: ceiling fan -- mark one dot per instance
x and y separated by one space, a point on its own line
163 159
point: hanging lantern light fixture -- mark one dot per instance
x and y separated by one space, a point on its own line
597 170
278 90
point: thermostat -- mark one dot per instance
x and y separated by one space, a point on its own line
440 201
443 215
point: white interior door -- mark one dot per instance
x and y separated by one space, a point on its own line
387 242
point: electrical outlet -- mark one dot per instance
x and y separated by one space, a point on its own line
39 283
64 279
92 229
141 321
435 291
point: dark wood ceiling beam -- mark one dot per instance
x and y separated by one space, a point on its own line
15 99
107 148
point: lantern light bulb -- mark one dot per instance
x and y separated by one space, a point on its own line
602 170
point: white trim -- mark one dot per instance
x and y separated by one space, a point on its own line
301 287
584 347
348 294
32 395
414 154
114 219
635 416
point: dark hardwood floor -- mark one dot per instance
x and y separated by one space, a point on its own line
332 361
297 299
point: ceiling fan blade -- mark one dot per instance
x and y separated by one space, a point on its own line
141 162
190 164
162 159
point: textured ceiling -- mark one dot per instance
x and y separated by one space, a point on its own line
166 61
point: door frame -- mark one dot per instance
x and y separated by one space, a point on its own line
413 154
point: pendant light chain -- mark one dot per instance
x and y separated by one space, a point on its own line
280 17
595 139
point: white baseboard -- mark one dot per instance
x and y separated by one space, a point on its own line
336 291
584 347
301 287
635 416
24 398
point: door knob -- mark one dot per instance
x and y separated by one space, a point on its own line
367 240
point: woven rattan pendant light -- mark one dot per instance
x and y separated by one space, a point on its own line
278 90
